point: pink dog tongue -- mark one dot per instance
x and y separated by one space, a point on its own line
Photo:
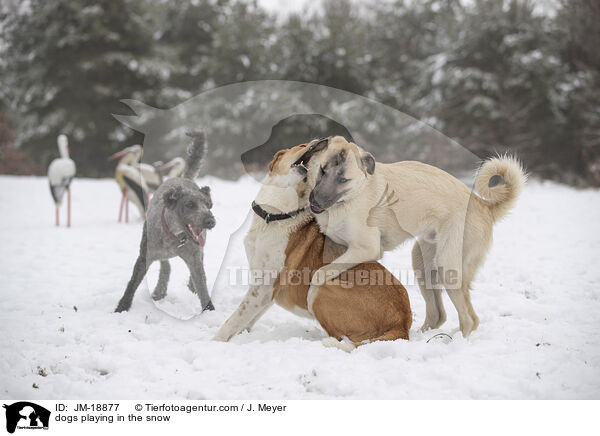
198 237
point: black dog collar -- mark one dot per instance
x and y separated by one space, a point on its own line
268 217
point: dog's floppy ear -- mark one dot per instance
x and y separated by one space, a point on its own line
206 191
172 196
276 158
368 161
316 146
320 145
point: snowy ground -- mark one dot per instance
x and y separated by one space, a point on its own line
537 297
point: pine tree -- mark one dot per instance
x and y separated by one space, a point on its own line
186 37
501 86
241 45
68 63
581 38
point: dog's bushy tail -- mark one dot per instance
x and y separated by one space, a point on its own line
195 153
499 182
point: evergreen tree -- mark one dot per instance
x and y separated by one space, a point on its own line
68 63
343 57
581 37
241 45
406 40
185 40
494 75
500 87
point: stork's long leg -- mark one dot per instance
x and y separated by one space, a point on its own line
69 207
122 204
57 220
126 209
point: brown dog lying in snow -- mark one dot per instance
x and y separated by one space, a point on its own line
291 240
377 309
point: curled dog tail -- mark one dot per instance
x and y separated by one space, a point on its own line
499 182
195 153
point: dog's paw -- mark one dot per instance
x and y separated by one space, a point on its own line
156 296
219 337
332 342
425 327
122 308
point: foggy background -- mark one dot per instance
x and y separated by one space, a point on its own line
492 75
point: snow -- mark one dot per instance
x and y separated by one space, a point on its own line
537 296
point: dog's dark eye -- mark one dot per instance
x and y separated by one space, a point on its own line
191 205
343 180
322 170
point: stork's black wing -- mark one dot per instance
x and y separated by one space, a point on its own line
58 191
137 189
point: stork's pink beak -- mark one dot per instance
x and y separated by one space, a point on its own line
117 155
166 166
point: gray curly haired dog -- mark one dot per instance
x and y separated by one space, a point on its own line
176 223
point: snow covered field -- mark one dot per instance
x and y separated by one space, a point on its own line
537 297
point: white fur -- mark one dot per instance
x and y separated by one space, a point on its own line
406 200
265 246
331 342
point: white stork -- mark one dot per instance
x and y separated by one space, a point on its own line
158 172
175 168
130 180
60 173
151 174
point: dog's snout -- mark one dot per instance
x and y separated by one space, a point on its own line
209 222
316 200
311 198
315 204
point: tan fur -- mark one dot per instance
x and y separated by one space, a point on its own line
362 314
407 200
275 159
366 313
265 243
500 199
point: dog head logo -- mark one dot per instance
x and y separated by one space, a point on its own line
26 415
240 118
248 123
